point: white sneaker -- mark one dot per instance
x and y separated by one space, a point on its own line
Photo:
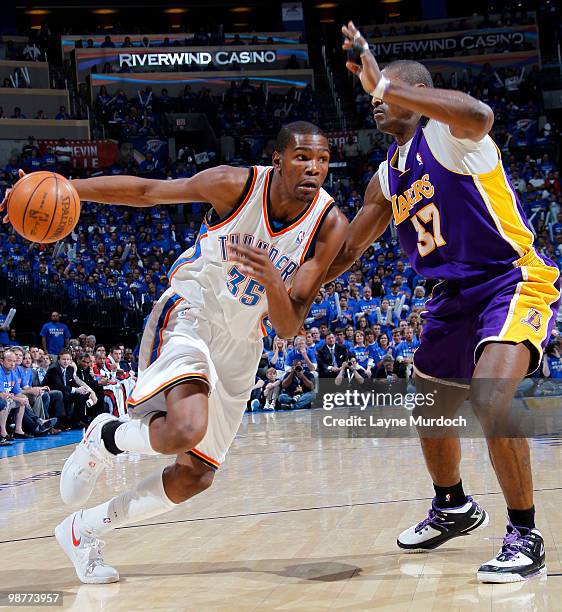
441 525
268 406
82 468
85 553
520 557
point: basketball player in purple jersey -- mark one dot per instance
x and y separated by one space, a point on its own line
459 220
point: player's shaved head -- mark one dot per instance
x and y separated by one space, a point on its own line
287 133
410 72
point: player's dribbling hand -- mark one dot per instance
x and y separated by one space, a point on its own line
4 203
253 262
368 72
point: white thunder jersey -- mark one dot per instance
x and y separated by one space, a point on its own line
205 277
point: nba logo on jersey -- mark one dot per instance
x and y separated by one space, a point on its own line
300 237
419 159
533 319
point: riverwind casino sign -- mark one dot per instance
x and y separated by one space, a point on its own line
454 51
186 59
200 58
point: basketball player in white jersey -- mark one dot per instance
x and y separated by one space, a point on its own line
260 259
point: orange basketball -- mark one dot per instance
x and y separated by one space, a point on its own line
43 207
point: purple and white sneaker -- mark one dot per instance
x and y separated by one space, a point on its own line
521 557
441 525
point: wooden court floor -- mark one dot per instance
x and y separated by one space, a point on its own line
292 523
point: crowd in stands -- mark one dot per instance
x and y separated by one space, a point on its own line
243 109
62 384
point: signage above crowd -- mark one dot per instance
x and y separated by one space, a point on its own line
111 60
500 40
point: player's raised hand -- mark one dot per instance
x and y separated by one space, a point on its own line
4 203
254 263
368 71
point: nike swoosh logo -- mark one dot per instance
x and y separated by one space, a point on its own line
75 541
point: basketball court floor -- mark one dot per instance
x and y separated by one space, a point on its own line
292 523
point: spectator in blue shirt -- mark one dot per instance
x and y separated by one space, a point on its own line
367 304
302 354
407 347
385 317
277 358
552 363
380 349
346 314
419 299
319 312
54 335
11 398
361 352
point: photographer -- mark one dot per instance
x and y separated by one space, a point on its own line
297 388
351 374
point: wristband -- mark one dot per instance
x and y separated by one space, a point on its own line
379 91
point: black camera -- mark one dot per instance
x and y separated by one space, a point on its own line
298 369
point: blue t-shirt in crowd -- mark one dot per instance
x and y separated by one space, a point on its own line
320 310
55 335
555 366
367 306
293 355
25 376
405 349
362 355
9 381
279 365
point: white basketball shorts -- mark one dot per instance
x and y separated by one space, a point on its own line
180 344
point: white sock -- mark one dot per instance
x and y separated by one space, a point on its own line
134 436
146 500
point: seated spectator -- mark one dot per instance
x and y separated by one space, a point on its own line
407 347
62 115
351 374
301 353
552 361
37 395
278 356
11 398
361 353
266 391
128 363
85 373
297 387
61 378
18 114
330 357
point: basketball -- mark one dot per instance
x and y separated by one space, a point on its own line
43 207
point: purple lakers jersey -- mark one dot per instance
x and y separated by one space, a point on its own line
455 226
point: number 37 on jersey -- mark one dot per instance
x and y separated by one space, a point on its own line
426 221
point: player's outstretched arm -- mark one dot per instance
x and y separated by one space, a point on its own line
221 186
287 311
465 116
370 222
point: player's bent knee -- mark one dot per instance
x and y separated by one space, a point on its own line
181 438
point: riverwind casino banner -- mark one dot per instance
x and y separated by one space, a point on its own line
454 51
187 59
